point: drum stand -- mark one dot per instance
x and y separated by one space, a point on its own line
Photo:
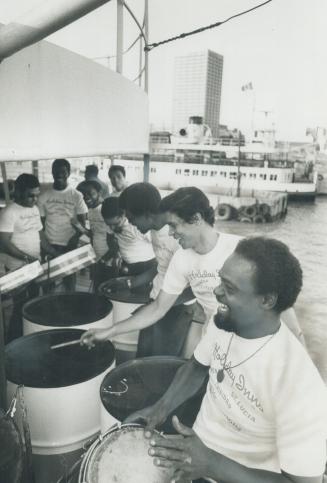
3 382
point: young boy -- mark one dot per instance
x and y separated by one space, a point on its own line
98 232
134 247
117 176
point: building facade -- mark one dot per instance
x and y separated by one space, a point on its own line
197 89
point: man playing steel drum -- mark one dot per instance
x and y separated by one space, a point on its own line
264 414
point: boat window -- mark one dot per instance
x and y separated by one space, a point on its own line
195 172
233 175
186 172
213 173
204 173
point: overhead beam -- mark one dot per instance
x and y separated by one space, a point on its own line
42 21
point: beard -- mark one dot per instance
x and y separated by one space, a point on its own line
224 321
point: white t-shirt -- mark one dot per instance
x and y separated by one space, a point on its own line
270 412
164 247
99 231
25 224
59 208
134 247
201 272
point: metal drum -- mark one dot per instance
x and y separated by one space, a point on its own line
139 383
121 456
61 390
125 302
80 310
68 263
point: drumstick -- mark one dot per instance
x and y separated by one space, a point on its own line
65 344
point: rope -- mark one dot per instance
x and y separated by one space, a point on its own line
149 47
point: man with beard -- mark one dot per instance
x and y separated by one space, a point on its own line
264 414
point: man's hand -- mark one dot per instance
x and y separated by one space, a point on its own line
152 416
185 453
93 336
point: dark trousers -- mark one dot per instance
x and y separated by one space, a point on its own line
167 336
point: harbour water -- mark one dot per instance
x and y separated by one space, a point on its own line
304 230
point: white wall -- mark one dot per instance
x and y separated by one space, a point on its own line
55 103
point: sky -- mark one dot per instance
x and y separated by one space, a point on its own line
280 48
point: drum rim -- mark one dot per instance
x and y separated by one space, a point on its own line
39 320
102 437
18 341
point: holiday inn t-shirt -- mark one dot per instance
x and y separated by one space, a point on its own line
270 411
201 272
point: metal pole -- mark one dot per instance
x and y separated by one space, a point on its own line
140 60
146 167
238 192
5 182
3 382
120 36
45 19
146 56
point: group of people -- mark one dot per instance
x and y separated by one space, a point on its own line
263 416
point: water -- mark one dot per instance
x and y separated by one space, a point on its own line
304 230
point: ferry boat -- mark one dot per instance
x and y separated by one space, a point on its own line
195 159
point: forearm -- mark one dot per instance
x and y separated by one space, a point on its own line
144 278
187 382
11 249
145 317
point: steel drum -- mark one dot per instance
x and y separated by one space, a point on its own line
125 302
80 310
20 277
61 393
68 263
139 383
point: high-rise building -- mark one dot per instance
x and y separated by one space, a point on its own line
197 89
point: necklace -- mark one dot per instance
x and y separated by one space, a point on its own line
220 373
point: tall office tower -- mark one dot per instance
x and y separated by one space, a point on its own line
197 89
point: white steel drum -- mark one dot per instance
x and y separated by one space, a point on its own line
68 263
19 277
80 310
61 387
125 302
139 383
121 456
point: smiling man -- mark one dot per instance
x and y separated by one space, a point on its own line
264 414
196 264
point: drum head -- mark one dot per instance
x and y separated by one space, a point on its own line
139 295
67 309
122 457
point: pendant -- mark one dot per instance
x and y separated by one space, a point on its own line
220 375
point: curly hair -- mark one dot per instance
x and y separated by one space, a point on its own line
140 199
111 208
26 181
186 203
61 163
278 271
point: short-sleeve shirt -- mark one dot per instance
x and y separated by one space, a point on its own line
134 247
200 271
99 231
59 208
270 411
164 247
25 224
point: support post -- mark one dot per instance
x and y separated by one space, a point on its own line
5 182
146 167
120 36
3 382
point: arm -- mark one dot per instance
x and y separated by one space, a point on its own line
144 278
144 317
47 248
191 459
9 248
187 382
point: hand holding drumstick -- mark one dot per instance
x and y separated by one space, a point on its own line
93 336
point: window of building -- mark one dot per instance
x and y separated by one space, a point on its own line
232 175
195 172
204 173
